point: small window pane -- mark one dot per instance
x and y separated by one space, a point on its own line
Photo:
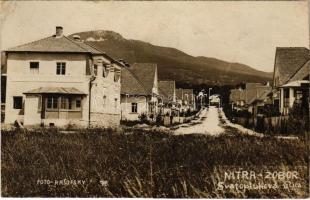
78 103
95 70
55 102
63 104
17 102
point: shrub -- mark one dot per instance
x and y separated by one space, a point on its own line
143 118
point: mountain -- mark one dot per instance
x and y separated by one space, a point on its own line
173 63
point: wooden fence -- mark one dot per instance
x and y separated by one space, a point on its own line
264 124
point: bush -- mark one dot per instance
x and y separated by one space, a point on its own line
143 118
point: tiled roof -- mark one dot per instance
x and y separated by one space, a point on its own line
55 44
55 90
262 96
297 83
130 83
145 72
302 73
254 93
166 90
287 61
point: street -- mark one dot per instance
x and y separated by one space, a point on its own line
208 123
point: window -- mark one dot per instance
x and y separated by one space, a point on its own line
286 93
34 67
61 68
63 103
78 103
17 102
115 103
96 70
104 100
70 103
117 75
134 107
104 71
52 103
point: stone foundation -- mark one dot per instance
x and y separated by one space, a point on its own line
105 120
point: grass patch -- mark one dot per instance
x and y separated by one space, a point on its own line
137 163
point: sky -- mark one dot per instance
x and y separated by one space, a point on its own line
240 31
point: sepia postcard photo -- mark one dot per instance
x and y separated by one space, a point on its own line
155 99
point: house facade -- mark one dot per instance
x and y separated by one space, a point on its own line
248 98
237 99
291 77
186 99
58 81
167 98
139 92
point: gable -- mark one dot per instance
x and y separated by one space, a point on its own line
146 74
287 62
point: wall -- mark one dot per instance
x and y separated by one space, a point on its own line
20 79
104 120
126 107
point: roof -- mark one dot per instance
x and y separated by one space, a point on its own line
146 73
56 44
302 73
130 83
263 95
297 83
254 93
288 61
166 89
55 90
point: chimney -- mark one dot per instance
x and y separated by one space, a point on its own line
76 38
59 31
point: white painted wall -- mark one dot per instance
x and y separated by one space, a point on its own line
126 107
20 79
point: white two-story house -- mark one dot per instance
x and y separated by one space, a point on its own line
58 81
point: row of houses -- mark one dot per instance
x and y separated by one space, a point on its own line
57 81
290 85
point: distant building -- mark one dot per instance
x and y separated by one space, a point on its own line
237 99
139 91
245 99
215 100
291 77
167 97
186 99
57 81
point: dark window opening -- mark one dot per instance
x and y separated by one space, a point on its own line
52 103
96 70
17 102
61 68
34 67
78 103
134 107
